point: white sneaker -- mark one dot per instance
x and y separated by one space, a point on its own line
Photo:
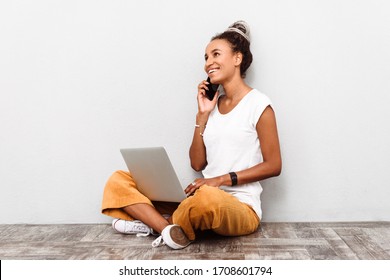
131 227
172 236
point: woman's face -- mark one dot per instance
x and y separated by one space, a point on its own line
220 61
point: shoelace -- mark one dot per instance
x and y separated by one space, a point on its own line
159 241
138 226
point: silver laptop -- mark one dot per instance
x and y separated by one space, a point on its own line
154 174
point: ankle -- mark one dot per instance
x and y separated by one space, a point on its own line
161 225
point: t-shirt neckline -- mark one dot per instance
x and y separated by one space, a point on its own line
234 108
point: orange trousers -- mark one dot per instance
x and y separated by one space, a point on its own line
208 209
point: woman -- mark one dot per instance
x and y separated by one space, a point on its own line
235 145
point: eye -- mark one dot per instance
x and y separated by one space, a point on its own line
216 54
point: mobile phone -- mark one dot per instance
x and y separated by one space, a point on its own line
212 89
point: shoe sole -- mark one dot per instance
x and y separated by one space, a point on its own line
176 239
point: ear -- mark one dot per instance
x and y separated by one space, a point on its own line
238 58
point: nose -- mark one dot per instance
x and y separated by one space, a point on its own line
209 61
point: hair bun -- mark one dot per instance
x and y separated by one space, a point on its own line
242 28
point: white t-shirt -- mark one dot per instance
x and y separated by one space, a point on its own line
232 145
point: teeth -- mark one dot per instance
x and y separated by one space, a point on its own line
212 71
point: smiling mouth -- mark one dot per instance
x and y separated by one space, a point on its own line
212 71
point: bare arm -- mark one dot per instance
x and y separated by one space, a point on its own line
198 149
270 149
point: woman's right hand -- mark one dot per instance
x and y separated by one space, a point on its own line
205 106
198 149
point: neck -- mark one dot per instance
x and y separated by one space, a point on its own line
235 89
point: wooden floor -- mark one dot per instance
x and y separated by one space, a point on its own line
280 241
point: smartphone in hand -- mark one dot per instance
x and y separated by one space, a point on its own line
212 90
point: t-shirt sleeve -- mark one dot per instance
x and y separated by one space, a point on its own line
260 103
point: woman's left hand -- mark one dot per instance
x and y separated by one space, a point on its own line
197 183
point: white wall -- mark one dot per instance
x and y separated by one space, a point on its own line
81 79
